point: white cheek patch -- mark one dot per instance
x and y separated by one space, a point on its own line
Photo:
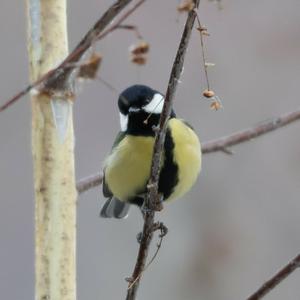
156 104
123 122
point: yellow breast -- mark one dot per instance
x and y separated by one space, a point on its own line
187 155
127 169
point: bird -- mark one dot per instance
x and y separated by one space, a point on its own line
126 170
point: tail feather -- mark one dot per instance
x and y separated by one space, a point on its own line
114 208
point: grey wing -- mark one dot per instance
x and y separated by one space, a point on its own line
114 208
105 189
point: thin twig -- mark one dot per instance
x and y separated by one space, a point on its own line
203 51
121 20
219 144
15 98
89 182
59 76
276 279
151 199
132 28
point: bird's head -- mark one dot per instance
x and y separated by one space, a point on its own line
140 108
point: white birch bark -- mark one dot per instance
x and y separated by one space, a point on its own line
53 158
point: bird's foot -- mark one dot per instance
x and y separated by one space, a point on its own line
160 226
158 205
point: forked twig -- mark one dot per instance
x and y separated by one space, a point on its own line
57 78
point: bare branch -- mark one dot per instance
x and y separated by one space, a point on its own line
276 279
15 98
89 182
219 144
152 198
58 77
66 68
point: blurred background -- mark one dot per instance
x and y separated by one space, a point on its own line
240 223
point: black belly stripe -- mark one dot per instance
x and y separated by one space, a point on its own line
139 201
169 174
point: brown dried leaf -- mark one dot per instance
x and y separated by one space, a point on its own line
203 31
139 59
141 48
90 68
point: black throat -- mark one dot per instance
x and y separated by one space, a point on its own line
139 123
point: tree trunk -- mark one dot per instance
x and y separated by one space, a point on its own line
53 157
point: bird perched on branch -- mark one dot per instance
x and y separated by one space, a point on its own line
127 168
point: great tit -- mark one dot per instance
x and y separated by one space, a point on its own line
127 168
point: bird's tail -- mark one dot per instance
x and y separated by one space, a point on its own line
114 208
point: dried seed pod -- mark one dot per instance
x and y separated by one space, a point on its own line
139 59
89 69
203 31
141 48
186 6
215 105
208 93
201 28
